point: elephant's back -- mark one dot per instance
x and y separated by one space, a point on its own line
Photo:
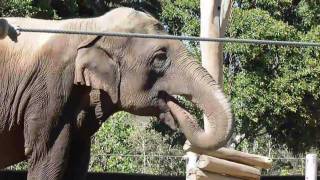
17 58
32 41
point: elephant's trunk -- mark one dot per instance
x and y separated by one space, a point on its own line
218 122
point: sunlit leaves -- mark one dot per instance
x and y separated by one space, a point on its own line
275 84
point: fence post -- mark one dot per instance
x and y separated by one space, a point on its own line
191 166
311 167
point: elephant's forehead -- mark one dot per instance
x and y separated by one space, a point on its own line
130 20
129 13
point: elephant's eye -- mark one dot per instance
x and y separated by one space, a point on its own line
159 59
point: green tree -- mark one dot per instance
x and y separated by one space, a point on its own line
274 89
26 8
82 8
17 8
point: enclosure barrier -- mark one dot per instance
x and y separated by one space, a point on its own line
223 164
13 32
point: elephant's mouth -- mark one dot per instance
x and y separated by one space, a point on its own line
168 106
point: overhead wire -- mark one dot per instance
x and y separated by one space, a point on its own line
172 37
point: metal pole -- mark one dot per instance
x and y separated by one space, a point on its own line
311 167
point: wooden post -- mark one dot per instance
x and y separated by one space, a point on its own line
191 166
211 52
213 25
311 167
214 20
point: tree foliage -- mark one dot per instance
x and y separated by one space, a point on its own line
126 143
17 8
274 89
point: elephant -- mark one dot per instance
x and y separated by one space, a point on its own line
57 89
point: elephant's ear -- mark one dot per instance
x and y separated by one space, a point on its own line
94 67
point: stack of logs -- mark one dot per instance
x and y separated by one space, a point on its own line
223 164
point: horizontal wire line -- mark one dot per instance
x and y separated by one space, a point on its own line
140 155
287 158
172 37
179 156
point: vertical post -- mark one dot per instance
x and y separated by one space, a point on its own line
311 167
211 52
191 165
214 20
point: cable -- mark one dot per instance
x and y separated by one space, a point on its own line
180 156
188 38
141 155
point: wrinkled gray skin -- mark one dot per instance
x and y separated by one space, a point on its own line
56 90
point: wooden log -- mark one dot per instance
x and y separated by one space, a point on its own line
213 176
211 52
191 158
221 166
233 155
205 175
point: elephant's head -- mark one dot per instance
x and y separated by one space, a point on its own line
142 75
